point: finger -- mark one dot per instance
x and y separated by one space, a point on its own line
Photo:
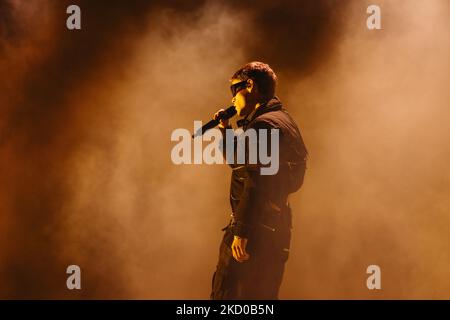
244 258
239 252
233 250
244 254
219 114
236 251
244 245
235 256
244 251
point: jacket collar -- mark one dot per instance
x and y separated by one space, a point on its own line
273 104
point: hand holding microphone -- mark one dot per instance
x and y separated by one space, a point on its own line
223 120
220 118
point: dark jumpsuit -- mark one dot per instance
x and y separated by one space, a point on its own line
260 213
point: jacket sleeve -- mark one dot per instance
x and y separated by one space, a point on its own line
255 193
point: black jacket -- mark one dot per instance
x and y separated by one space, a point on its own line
254 198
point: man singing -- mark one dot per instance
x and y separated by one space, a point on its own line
255 246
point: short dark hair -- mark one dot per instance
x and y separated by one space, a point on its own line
262 74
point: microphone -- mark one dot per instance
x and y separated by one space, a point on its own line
229 112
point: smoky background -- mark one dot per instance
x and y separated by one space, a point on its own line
85 124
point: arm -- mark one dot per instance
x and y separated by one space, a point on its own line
255 193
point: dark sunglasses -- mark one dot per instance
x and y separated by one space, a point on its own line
235 88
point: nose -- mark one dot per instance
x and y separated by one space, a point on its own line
233 100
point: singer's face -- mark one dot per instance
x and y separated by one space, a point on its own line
243 100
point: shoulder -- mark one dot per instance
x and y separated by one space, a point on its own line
268 120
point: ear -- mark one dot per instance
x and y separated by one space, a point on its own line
250 85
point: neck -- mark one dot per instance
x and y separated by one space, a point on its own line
255 107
